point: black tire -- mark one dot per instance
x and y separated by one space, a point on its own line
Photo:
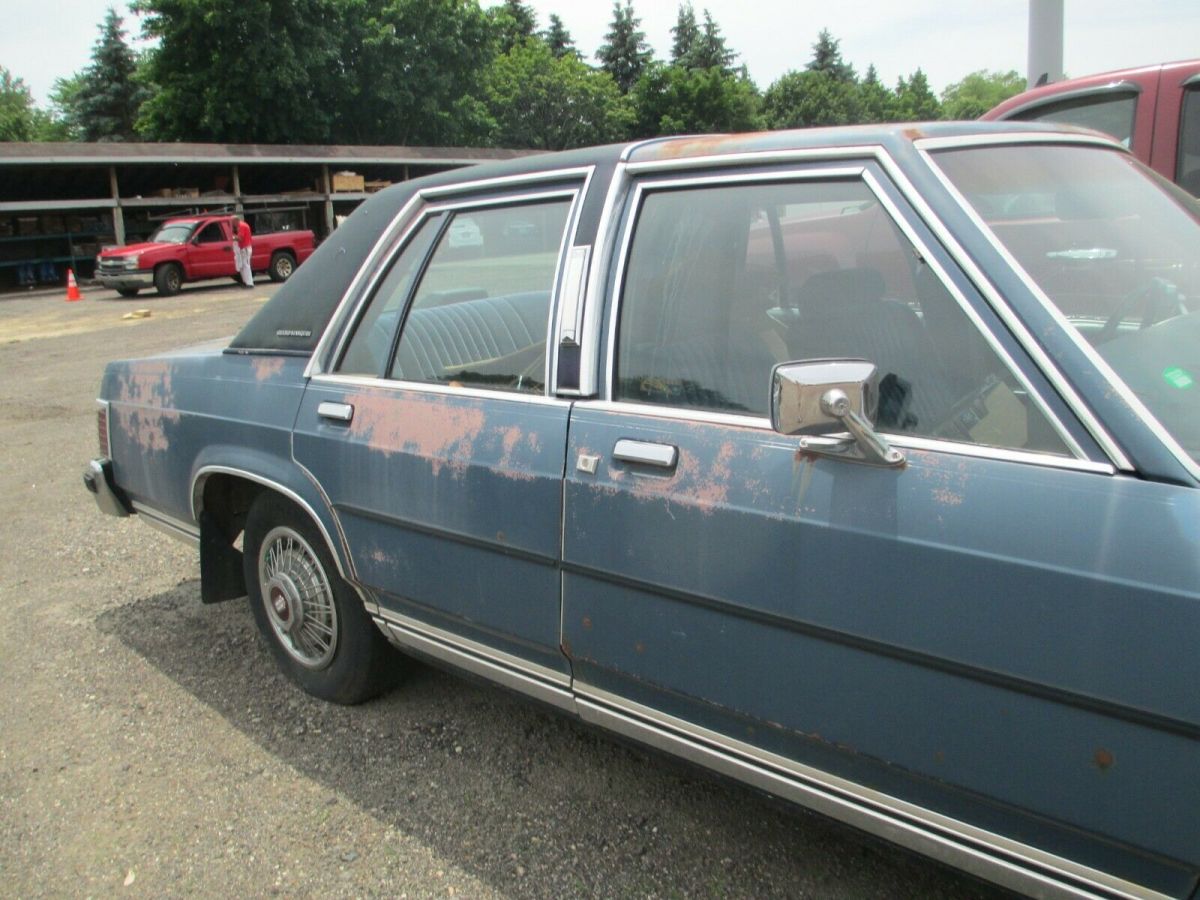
128 292
168 279
321 636
283 264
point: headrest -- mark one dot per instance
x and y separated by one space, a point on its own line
840 289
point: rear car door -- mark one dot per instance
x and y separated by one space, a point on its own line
438 445
946 633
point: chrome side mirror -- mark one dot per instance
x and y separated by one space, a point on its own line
821 397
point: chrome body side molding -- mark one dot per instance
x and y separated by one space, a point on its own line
176 528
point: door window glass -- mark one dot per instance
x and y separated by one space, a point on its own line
1188 167
724 283
1110 113
368 350
211 234
480 313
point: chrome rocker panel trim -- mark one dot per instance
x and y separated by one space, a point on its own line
976 851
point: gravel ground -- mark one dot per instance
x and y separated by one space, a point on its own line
148 747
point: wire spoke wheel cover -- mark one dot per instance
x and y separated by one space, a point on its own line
298 598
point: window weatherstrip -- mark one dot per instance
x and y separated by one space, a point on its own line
445 390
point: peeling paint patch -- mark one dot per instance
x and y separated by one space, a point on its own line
430 427
266 368
143 404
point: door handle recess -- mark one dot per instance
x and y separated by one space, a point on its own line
664 456
339 412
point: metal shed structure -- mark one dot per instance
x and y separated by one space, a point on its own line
59 203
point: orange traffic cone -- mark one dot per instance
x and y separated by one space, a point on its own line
72 288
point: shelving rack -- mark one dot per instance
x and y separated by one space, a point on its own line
61 202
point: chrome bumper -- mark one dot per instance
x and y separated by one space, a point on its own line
134 279
97 478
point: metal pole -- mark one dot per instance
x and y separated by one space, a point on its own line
118 215
1045 62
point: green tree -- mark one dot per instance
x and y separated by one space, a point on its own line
875 102
710 50
545 102
558 39
17 118
105 105
245 72
624 53
979 92
685 33
64 99
677 100
827 57
514 22
804 99
915 102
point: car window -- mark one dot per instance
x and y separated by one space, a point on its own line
479 315
1111 113
723 283
211 234
1187 171
368 350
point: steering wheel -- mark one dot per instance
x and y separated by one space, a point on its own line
1154 295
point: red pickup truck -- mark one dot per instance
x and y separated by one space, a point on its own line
1153 110
195 248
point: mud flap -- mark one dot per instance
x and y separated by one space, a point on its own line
221 574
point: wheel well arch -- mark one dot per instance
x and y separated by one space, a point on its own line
225 494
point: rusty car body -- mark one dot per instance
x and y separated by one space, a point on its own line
859 465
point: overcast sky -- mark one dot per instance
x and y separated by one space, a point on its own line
46 39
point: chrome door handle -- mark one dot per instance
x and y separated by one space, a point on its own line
664 456
339 412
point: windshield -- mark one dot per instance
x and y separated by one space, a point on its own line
1117 251
173 233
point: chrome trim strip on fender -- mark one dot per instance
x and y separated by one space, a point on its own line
537 681
168 525
201 477
983 853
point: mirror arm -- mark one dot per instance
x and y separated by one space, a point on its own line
865 446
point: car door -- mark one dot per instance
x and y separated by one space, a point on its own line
210 253
964 633
438 446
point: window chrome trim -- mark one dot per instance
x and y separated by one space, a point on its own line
402 226
907 441
1115 381
444 390
967 847
1020 137
1098 90
397 232
1011 320
537 681
756 157
168 525
894 214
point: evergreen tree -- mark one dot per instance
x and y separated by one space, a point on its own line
515 23
827 57
685 34
915 102
624 53
105 107
876 102
808 98
558 39
710 50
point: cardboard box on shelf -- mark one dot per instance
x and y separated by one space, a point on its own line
347 181
27 225
373 186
